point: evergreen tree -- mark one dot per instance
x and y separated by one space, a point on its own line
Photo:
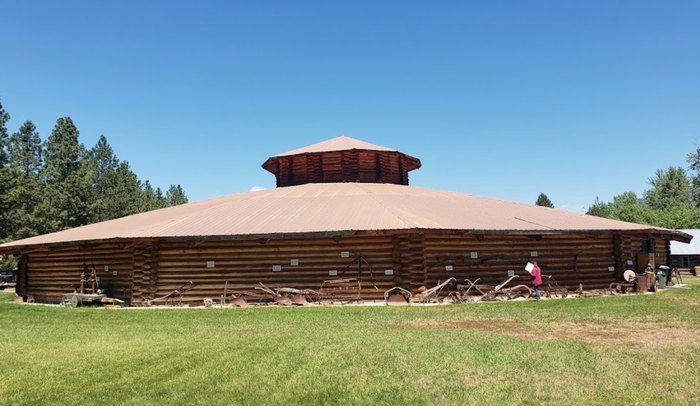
670 188
147 197
161 201
67 177
7 263
693 159
175 195
5 178
600 209
63 151
25 150
128 190
4 118
58 184
151 199
543 200
103 165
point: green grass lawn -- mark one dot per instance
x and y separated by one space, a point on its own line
604 350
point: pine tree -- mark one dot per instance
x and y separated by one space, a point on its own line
693 160
4 118
5 178
670 188
175 195
67 177
161 201
25 151
128 190
151 199
543 200
600 209
24 165
7 263
103 165
63 150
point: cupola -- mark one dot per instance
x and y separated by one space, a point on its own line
341 159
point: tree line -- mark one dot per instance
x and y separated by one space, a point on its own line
58 183
672 200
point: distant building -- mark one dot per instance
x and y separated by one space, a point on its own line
686 255
342 209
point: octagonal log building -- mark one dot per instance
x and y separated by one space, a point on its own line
342 209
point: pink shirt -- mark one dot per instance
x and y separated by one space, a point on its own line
536 276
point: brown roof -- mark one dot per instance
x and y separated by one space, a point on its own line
341 143
336 207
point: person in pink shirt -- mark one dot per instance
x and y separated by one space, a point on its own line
536 275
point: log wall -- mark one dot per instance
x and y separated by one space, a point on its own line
572 259
342 166
152 269
50 274
631 246
246 263
677 261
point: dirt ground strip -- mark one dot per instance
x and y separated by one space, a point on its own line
640 333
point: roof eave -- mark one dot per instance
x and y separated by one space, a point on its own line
22 249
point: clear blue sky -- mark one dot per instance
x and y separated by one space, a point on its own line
505 99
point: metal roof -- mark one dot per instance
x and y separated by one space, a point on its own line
341 143
692 248
337 207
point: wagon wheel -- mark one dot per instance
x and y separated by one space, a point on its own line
75 301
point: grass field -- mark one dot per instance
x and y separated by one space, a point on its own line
604 350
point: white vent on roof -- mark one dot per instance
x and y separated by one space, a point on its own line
345 254
333 272
473 254
294 262
388 272
449 268
211 264
276 268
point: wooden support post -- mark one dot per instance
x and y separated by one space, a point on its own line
137 274
289 179
396 256
153 275
378 169
618 256
424 260
21 287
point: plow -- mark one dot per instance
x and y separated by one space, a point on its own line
264 295
473 291
344 290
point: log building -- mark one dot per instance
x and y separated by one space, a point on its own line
686 256
342 208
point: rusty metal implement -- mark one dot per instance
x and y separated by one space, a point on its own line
432 294
397 296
